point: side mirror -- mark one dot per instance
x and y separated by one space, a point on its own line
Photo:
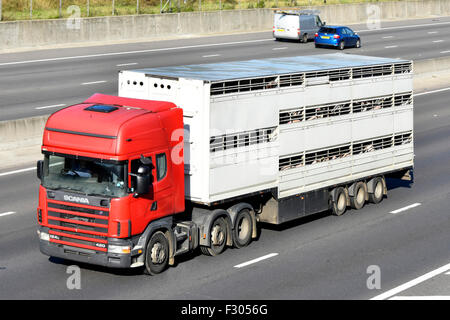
142 180
324 23
40 169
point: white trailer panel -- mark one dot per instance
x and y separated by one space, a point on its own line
294 124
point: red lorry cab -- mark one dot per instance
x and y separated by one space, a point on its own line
93 153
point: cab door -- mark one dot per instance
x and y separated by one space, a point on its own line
159 201
162 185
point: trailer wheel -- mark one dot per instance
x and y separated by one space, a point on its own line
242 232
156 254
338 201
377 186
218 235
359 195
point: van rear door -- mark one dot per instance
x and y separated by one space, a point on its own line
286 26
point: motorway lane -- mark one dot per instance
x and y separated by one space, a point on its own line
26 85
320 257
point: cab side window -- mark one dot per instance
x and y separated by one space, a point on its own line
161 166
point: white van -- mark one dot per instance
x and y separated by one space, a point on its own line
296 25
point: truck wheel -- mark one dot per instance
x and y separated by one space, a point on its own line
339 201
218 235
359 196
377 186
242 232
157 254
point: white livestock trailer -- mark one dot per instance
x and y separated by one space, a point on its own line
292 135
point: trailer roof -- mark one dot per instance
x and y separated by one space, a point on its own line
267 67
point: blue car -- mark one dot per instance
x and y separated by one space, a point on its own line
339 37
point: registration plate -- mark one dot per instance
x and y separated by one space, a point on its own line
325 37
281 30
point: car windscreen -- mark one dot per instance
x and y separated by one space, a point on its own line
327 30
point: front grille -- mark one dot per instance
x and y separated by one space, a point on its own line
77 225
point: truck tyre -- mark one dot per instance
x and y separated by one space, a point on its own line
156 254
242 232
338 201
359 195
377 186
218 236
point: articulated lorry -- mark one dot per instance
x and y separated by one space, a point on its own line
197 156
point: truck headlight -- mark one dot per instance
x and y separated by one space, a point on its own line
119 249
43 236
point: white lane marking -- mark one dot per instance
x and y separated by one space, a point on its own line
279 48
437 41
406 208
447 273
447 51
6 213
432 91
211 55
126 64
16 171
389 47
267 256
405 27
420 298
411 283
388 37
47 107
93 82
132 52
432 32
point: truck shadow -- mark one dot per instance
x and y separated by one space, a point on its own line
392 184
139 271
118 272
293 223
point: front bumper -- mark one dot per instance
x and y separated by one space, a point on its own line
106 259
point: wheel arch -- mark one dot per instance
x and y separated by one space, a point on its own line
234 210
165 226
204 219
